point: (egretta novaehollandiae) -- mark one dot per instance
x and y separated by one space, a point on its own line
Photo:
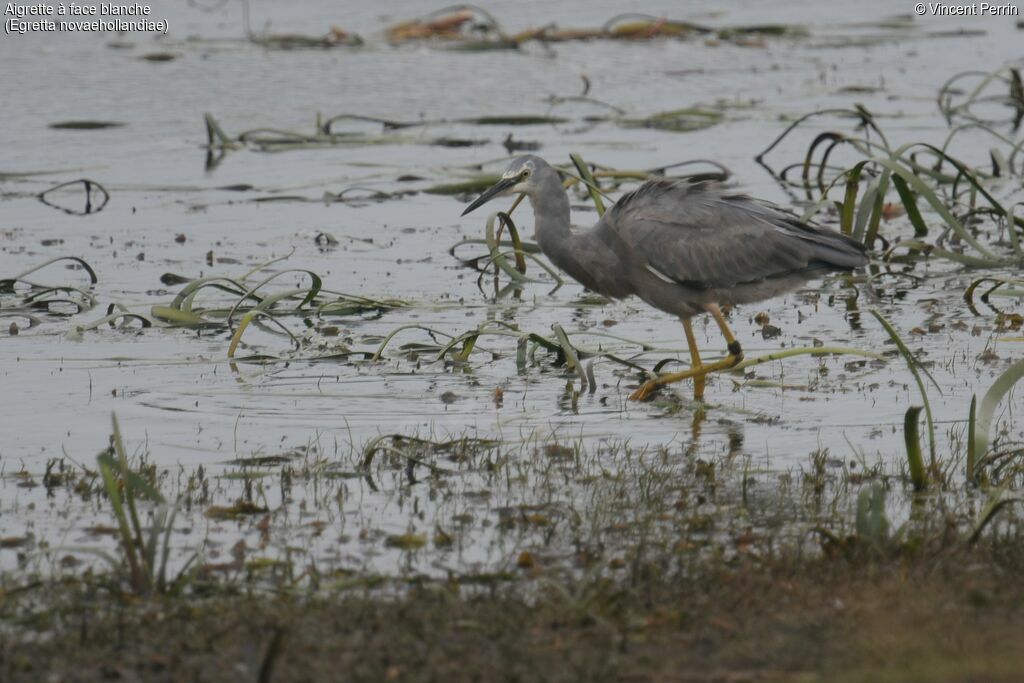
682 247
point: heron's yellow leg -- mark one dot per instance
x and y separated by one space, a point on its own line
734 357
695 362
735 350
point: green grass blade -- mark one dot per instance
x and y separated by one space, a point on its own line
910 204
107 467
588 179
93 279
995 503
915 462
497 257
877 206
914 366
989 402
175 316
571 357
391 335
972 455
129 483
850 199
237 336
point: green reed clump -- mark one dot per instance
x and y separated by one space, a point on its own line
252 300
928 181
145 551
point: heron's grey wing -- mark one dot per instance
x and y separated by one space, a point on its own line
699 237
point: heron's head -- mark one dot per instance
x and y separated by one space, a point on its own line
521 177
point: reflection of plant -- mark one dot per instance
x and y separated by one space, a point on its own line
146 554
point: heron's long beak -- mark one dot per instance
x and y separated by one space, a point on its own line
498 188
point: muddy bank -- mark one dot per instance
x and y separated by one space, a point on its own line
926 612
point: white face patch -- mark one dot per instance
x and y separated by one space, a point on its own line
528 166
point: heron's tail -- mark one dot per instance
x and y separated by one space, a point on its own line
841 253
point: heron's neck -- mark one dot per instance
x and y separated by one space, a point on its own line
551 222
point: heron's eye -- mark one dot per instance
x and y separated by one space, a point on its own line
525 174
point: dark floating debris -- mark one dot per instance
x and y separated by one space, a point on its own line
174 279
85 125
325 241
514 120
458 142
512 145
159 57
241 508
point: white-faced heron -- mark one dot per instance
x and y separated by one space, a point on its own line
683 247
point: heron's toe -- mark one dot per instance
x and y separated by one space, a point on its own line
646 390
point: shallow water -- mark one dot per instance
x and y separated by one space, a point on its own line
178 399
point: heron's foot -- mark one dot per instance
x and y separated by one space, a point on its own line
699 374
646 390
651 387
